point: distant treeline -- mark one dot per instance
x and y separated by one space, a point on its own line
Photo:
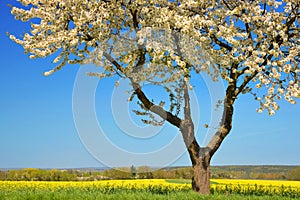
257 172
145 172
32 174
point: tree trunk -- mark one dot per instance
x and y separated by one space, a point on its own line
200 156
201 176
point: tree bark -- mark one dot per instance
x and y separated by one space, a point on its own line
201 176
201 156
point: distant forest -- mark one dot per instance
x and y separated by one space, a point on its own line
145 172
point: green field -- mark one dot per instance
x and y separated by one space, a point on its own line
80 195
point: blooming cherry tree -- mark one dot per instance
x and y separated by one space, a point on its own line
252 45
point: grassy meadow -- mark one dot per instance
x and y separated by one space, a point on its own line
148 189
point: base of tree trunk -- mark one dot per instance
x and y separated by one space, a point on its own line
201 177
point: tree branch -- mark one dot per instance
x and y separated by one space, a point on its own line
187 125
221 44
232 92
226 122
142 52
244 84
174 120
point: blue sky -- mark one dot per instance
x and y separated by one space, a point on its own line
37 127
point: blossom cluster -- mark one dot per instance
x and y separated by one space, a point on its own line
253 44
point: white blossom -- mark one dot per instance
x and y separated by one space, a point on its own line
245 41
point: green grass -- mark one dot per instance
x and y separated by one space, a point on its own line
91 195
68 195
179 181
184 181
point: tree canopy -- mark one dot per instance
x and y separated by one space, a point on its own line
247 40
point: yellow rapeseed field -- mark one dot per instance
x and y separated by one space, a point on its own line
105 186
257 182
161 186
256 187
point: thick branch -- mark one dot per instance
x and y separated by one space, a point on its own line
187 125
174 120
187 106
226 123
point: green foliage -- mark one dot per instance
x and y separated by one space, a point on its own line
145 172
251 172
118 173
133 171
294 174
31 174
